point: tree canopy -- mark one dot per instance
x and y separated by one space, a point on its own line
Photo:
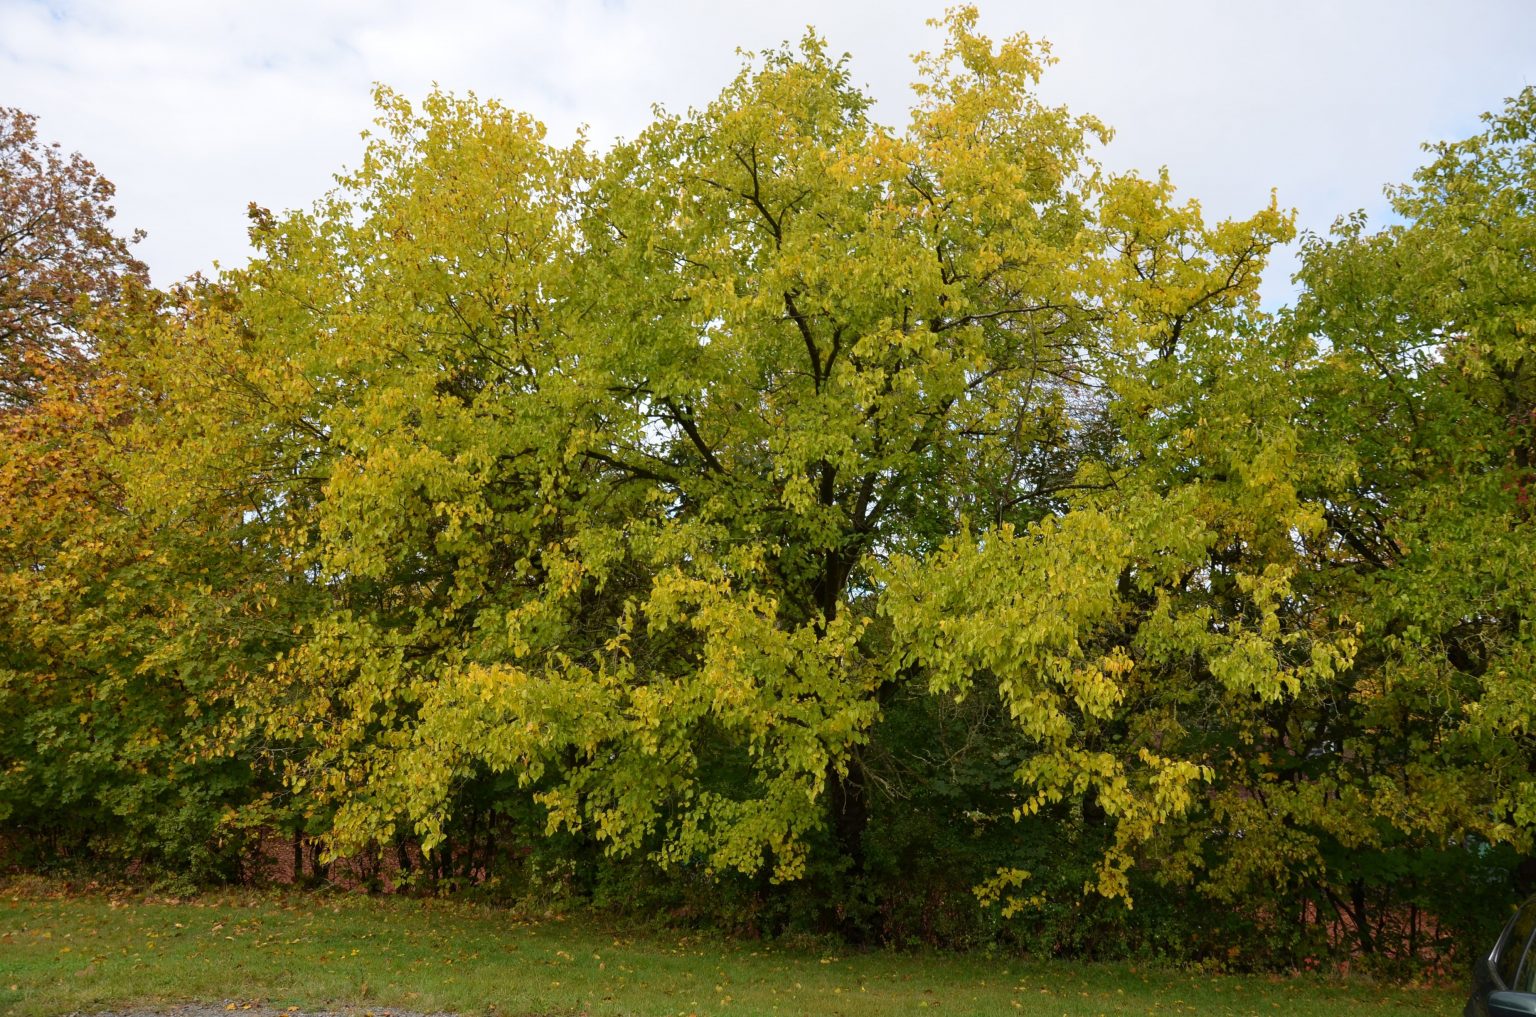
790 503
58 257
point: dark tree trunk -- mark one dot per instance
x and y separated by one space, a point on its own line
488 856
467 863
1362 921
848 802
850 812
402 855
846 795
318 869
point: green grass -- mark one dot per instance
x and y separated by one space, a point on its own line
62 953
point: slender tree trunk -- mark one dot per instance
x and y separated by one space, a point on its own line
488 854
403 866
466 861
1362 923
318 869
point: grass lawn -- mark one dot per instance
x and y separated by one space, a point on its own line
60 954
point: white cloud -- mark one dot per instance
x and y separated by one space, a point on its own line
195 109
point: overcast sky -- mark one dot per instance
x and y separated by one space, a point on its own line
195 109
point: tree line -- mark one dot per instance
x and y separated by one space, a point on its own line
786 521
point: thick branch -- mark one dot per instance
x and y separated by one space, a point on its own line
690 428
